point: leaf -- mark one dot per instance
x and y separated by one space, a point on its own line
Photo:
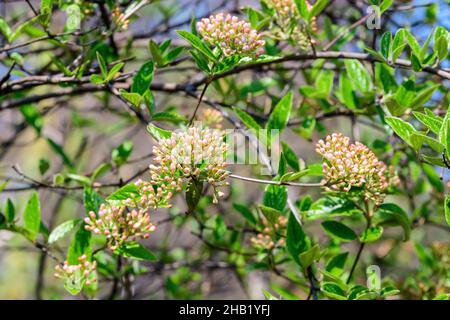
201 62
419 138
44 165
143 78
79 178
247 119
101 170
293 176
339 230
10 211
291 157
275 197
245 212
136 251
32 216
157 133
333 291
62 230
280 116
371 234
92 200
156 53
270 214
317 8
102 64
296 240
308 257
120 154
413 44
392 214
96 79
114 70
126 192
359 74
302 8
433 177
193 194
330 207
389 291
415 63
431 122
81 245
134 98
169 117
447 208
385 5
444 133
386 44
441 48
197 44
5 29
324 82
403 129
337 264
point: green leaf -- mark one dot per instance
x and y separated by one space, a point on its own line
444 133
126 192
386 45
447 208
392 214
120 154
10 211
339 230
46 11
291 157
245 212
280 116
317 8
302 8
247 119
293 176
193 194
134 98
62 230
101 170
169 117
79 178
333 291
32 216
431 122
386 4
331 207
158 133
102 64
415 63
371 234
345 94
403 129
143 78
44 165
114 70
389 291
324 82
32 117
270 214
433 177
197 44
81 244
275 197
201 62
5 29
308 257
337 264
296 240
413 44
156 53
96 79
360 76
136 251
441 48
419 138
92 200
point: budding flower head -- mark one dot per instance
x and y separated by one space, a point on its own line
118 225
287 17
348 165
193 153
231 35
76 276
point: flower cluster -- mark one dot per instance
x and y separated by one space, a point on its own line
82 273
194 153
265 239
349 165
231 35
120 19
119 226
287 17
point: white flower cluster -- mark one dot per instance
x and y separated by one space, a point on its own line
231 35
83 272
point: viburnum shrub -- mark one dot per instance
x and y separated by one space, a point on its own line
301 147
